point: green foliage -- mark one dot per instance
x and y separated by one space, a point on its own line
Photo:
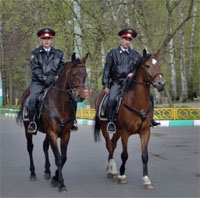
99 22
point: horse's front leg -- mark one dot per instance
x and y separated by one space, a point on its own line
58 178
30 151
144 148
47 172
124 158
111 167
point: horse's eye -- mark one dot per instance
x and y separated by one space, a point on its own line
147 66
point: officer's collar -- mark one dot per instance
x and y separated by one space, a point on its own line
47 50
123 50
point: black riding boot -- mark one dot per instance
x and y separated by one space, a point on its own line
111 125
32 127
75 127
153 122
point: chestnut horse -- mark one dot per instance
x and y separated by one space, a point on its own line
57 117
134 116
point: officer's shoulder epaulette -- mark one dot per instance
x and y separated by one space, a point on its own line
111 51
36 50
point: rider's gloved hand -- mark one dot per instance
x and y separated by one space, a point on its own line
49 80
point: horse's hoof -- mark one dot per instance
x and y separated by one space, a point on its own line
149 186
33 178
47 176
112 176
62 189
121 181
54 183
115 176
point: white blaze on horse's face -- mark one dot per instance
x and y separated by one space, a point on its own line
154 61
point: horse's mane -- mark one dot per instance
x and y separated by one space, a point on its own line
77 62
130 81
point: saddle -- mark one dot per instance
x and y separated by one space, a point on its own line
38 108
103 108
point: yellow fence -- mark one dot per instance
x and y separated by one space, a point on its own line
159 113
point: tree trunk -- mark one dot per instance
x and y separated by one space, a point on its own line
191 55
184 86
171 54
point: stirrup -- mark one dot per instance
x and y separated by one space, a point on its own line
32 127
112 123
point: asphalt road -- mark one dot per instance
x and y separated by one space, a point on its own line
174 165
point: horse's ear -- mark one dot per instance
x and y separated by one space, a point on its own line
73 57
144 52
85 58
156 54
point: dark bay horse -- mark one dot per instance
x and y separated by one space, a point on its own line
57 117
134 117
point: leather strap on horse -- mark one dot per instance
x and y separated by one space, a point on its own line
53 115
143 116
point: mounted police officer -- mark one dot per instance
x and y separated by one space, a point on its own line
121 63
46 63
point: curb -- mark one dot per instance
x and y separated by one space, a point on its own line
179 123
163 123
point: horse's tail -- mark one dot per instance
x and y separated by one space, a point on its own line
24 96
96 129
19 117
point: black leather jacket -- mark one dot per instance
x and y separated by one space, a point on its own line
42 67
119 64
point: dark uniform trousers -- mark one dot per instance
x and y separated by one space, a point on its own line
115 91
35 90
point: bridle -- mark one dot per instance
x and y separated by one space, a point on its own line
70 86
150 79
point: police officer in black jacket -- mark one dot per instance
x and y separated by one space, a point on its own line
121 63
46 63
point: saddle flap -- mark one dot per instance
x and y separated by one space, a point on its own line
103 110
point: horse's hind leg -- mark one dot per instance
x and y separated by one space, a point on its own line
30 151
144 147
47 172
